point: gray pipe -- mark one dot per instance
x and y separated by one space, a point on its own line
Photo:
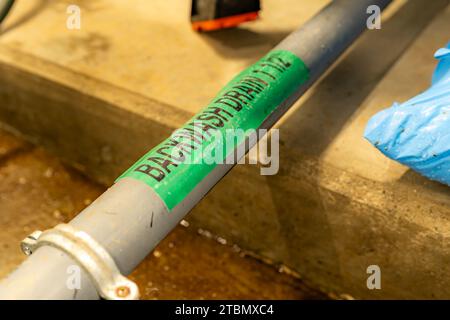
5 7
130 219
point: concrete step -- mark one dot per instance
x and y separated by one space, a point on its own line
101 96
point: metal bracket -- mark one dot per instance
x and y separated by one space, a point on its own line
90 255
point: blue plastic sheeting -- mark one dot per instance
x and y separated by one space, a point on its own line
417 133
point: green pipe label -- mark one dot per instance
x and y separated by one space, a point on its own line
174 167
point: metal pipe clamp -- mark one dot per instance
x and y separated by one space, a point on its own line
90 255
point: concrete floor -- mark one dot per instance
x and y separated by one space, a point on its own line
37 191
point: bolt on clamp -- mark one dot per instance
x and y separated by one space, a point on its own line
90 255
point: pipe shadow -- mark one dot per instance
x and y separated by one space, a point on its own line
312 221
344 88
